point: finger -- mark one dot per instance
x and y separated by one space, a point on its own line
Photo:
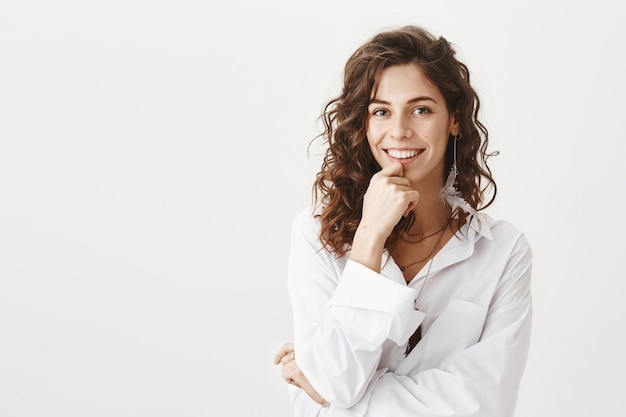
294 376
393 170
294 383
284 350
412 204
399 181
287 374
291 372
291 356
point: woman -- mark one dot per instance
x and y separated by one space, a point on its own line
408 300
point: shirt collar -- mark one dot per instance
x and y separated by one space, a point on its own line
480 224
460 247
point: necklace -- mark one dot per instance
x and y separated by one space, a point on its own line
440 232
410 220
417 335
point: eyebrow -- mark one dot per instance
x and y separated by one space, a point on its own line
411 101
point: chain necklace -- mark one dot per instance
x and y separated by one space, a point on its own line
440 232
410 220
417 335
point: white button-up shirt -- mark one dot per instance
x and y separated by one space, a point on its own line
352 325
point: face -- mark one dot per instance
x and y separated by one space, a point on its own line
408 122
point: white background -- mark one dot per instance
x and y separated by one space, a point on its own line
154 153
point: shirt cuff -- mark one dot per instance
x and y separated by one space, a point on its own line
363 295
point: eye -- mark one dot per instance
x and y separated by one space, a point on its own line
421 110
380 112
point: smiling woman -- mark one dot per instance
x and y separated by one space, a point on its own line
407 298
408 122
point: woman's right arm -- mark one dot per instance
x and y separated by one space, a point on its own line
344 309
343 312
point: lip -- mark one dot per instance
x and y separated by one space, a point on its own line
407 160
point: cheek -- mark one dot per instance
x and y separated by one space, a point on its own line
373 141
372 144
374 134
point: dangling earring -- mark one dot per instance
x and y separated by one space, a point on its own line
450 193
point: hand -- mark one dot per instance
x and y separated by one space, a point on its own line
389 197
291 373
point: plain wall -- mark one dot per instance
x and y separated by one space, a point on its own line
154 153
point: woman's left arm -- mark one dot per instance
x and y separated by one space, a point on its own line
480 380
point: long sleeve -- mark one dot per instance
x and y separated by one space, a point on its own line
476 332
342 318
479 380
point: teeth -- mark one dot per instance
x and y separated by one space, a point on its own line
401 154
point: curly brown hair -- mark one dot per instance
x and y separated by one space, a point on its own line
349 165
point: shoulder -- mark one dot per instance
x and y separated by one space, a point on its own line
509 255
502 234
306 246
306 221
305 227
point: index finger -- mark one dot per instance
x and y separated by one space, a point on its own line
393 170
286 349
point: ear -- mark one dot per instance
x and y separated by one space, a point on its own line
454 123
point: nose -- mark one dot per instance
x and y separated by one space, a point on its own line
400 128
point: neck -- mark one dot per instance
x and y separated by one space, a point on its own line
431 213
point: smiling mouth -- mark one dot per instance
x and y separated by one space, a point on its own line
403 154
